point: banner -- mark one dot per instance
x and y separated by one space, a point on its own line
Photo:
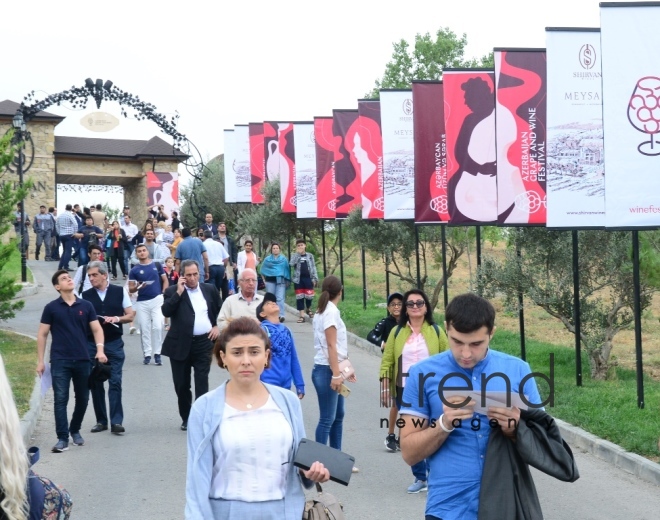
305 155
287 168
430 152
370 160
271 151
520 112
576 181
242 163
257 161
163 188
631 113
347 182
230 174
471 152
396 113
325 167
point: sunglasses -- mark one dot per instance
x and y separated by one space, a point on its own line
419 304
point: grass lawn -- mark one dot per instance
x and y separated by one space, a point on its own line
12 269
607 409
20 356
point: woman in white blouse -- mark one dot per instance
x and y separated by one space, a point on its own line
243 436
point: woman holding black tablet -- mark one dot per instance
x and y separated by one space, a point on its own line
235 471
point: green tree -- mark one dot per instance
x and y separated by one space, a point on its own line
426 60
208 196
543 272
8 199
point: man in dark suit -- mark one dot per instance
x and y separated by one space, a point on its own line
193 309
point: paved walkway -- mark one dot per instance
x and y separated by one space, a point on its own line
141 475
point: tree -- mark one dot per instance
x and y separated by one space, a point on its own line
394 242
8 200
543 272
208 196
426 61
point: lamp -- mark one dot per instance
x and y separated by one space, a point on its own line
19 138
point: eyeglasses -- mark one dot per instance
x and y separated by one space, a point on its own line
248 280
396 305
419 304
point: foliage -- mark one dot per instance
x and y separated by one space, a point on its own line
208 196
111 214
426 61
543 272
8 200
395 243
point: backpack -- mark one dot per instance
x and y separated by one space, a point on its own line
323 507
47 500
435 326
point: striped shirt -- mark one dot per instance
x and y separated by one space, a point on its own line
66 224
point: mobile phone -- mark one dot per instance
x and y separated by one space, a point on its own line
344 390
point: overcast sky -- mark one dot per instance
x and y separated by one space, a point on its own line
225 63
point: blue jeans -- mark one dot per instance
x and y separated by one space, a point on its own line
216 275
67 244
128 251
114 350
65 371
331 408
83 256
278 289
419 470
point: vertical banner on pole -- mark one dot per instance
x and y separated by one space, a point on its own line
576 181
370 161
396 113
430 152
271 151
242 163
347 182
471 151
631 113
305 154
520 110
230 174
163 188
287 167
325 167
257 161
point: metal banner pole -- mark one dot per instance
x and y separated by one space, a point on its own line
638 320
341 260
419 279
577 319
444 265
364 281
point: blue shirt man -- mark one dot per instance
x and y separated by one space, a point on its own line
191 248
446 431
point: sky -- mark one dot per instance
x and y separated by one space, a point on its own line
224 63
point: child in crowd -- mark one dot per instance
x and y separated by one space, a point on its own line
284 365
172 278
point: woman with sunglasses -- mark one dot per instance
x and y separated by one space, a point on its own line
417 337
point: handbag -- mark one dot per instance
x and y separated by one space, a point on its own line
323 507
346 369
261 285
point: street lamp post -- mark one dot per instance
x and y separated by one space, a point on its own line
19 136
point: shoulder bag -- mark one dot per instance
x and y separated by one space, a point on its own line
323 507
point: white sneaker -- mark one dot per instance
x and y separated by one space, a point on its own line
132 330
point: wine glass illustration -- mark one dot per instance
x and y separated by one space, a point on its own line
644 113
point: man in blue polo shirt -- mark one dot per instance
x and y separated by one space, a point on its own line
149 280
454 440
192 248
69 319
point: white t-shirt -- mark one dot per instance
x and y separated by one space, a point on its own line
329 318
250 466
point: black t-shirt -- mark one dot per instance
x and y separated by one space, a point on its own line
69 328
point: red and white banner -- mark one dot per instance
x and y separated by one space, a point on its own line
229 160
242 163
287 168
471 152
163 188
305 153
271 151
630 40
347 182
326 144
576 166
396 113
430 152
520 93
257 161
369 155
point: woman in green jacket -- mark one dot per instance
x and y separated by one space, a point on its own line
417 337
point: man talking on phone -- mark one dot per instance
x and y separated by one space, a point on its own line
193 309
149 280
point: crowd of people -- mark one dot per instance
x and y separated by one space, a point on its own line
184 277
